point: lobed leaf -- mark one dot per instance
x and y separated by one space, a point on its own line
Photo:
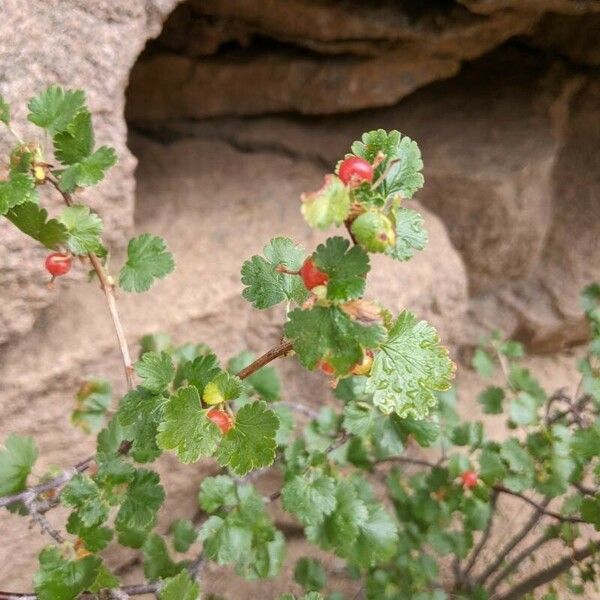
402 165
327 333
409 368
180 587
186 429
84 229
54 108
18 189
346 267
16 461
251 443
156 371
411 235
76 142
265 286
61 579
330 205
32 221
89 171
147 260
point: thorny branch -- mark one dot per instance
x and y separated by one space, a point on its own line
108 288
549 574
61 480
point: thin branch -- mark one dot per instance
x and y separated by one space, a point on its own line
44 524
515 541
280 350
540 507
108 288
516 562
483 540
57 482
550 573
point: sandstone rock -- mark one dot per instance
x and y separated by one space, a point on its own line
495 164
404 51
89 45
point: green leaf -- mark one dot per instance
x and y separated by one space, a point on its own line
186 429
32 221
491 467
520 464
586 442
16 461
346 268
410 367
327 333
590 511
402 165
137 515
157 562
522 380
201 371
105 580
225 542
340 529
140 412
523 409
330 205
92 403
156 371
223 388
18 189
180 588
55 108
309 499
184 534
61 579
76 142
411 234
217 492
483 363
89 171
147 259
251 443
95 538
265 286
83 494
491 400
310 574
84 229
4 111
377 538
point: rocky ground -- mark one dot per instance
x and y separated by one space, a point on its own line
235 111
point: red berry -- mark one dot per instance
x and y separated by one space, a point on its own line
58 264
469 479
221 418
355 170
326 367
311 276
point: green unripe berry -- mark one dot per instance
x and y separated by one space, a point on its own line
374 231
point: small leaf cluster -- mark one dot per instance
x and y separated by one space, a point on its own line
70 165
